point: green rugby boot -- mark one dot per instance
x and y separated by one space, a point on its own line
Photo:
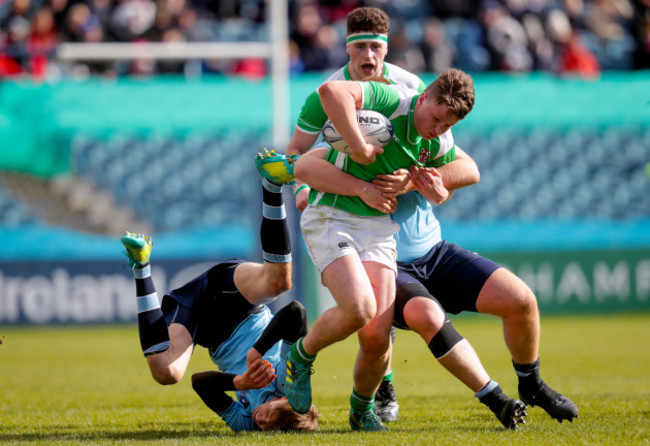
366 421
275 167
298 385
137 249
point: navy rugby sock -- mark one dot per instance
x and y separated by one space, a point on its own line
154 336
274 231
529 378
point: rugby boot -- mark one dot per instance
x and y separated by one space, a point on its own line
366 421
555 404
275 167
137 249
386 406
510 412
298 384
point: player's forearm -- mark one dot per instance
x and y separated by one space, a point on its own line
461 172
340 104
326 177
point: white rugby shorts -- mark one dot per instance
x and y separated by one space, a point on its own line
331 233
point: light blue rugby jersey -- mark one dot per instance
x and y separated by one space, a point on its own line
419 228
230 357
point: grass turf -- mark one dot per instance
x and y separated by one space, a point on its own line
91 385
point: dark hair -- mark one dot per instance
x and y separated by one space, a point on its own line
455 88
369 19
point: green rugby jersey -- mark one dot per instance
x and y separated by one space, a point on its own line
406 148
392 73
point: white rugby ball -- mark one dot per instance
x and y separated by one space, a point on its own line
375 128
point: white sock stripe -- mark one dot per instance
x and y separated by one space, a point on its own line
364 400
274 212
276 258
275 188
148 302
489 387
142 273
301 354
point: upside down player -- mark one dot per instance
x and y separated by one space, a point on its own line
224 311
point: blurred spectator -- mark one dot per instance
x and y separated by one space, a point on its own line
325 52
404 54
15 59
506 40
296 65
577 60
438 54
557 36
132 18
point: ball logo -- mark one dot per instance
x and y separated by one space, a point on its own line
368 120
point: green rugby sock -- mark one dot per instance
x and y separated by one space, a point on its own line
298 353
360 403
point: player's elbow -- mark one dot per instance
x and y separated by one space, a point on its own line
326 90
475 176
280 284
167 376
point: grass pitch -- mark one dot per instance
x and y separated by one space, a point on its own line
91 385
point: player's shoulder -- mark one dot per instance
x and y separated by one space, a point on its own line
338 75
400 76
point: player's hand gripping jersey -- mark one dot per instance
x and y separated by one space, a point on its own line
406 148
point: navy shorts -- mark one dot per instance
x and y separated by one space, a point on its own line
453 275
209 306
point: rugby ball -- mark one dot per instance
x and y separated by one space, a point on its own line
375 128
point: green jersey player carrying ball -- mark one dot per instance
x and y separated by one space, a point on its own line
351 242
460 281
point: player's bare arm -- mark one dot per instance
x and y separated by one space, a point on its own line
314 170
341 100
461 172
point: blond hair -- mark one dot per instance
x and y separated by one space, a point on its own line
285 419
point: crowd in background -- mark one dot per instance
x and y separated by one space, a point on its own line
566 37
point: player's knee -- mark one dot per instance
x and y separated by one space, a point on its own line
523 302
296 317
356 313
357 320
445 340
375 343
423 316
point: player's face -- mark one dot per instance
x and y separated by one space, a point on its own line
432 119
366 59
264 414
